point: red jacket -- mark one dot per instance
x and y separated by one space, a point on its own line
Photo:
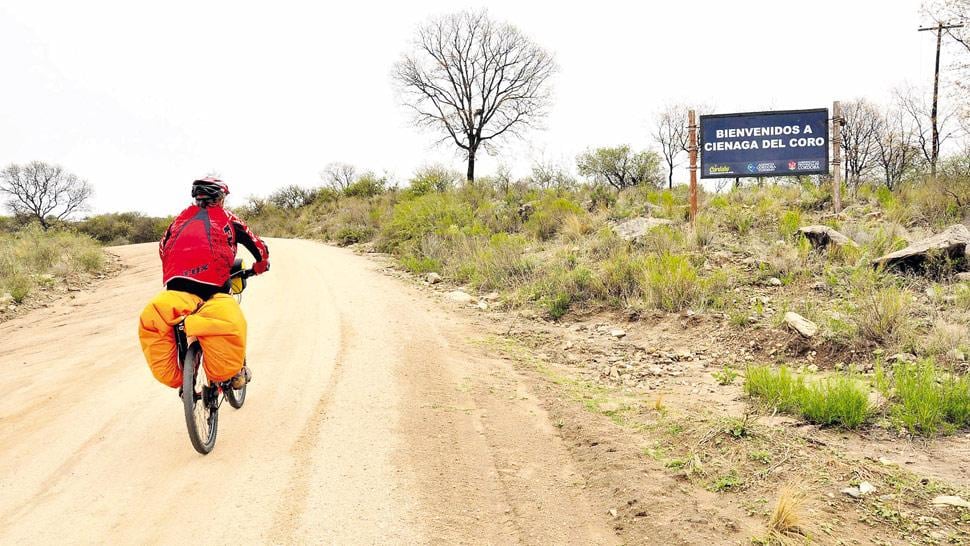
200 245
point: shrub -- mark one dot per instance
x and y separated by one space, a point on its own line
436 213
882 314
431 179
670 282
778 387
921 401
620 277
19 287
549 215
348 235
420 265
293 197
739 219
368 185
836 400
789 223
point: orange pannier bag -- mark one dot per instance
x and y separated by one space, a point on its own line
218 324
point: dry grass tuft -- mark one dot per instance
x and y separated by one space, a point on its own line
786 519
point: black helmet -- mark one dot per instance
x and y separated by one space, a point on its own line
209 189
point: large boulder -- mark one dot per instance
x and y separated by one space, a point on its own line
801 324
635 228
823 236
953 242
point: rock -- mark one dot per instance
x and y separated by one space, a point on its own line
823 236
963 277
862 490
617 333
460 297
5 299
433 278
954 241
852 492
635 228
614 373
491 296
801 324
902 357
774 281
613 512
947 500
813 368
482 305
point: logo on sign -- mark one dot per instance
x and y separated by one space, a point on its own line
751 168
792 165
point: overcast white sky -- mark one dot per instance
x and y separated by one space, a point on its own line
140 98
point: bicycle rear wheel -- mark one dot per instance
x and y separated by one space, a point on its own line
199 399
236 397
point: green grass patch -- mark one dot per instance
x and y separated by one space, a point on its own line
834 401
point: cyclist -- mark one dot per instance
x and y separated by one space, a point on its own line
198 250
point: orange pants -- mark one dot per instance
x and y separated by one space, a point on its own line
218 324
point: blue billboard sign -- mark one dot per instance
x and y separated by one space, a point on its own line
782 143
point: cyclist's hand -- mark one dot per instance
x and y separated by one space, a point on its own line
261 267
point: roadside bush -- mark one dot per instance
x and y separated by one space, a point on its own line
124 228
293 197
833 401
549 215
32 252
739 219
368 185
838 400
412 219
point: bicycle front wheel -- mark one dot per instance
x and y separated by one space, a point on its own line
199 400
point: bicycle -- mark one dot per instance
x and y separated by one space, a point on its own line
200 398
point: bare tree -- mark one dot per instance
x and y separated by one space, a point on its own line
474 79
548 175
339 176
621 167
918 110
43 191
897 152
671 132
860 137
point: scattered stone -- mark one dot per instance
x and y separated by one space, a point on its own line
954 241
860 491
963 277
635 228
617 333
5 299
801 324
613 512
823 236
491 296
460 297
902 357
774 281
433 278
813 368
949 500
614 372
482 305
11 308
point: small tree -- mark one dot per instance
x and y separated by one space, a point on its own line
475 80
620 167
44 191
671 132
896 151
860 136
339 176
292 197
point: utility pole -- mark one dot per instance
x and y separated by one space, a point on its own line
939 28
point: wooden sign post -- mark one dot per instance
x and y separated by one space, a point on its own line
692 150
837 156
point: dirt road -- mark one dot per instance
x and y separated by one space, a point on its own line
371 419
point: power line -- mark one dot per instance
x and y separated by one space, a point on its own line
939 28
